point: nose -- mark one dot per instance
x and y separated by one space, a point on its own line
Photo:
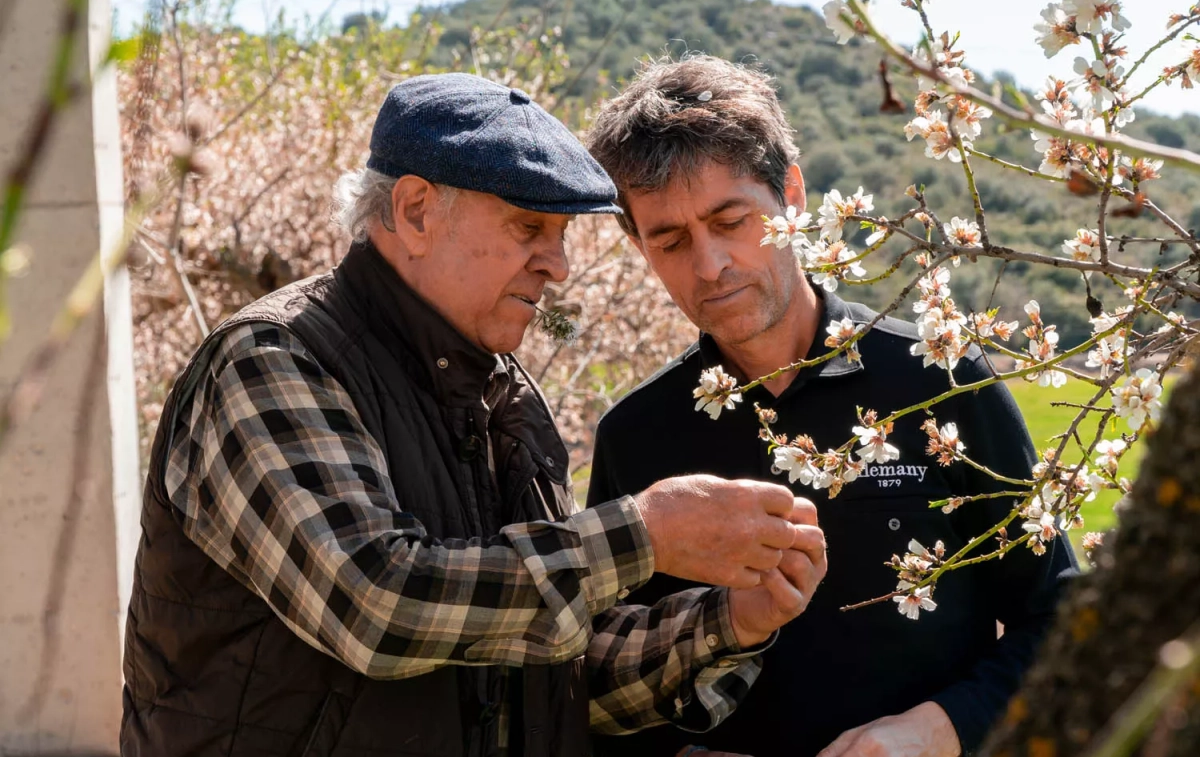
709 258
550 261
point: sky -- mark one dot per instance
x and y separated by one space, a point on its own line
995 36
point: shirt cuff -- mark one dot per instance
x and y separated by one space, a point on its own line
971 724
719 643
617 548
723 671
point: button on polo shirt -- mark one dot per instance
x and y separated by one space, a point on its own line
831 670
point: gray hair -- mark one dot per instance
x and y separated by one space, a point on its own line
363 198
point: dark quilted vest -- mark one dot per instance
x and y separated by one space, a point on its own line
209 668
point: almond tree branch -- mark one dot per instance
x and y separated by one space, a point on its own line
1025 118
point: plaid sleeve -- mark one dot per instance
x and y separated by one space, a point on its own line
280 483
677 661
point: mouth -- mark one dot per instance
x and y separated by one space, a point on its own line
531 302
724 297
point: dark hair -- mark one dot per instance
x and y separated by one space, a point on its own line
676 115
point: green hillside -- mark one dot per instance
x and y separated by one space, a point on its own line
833 95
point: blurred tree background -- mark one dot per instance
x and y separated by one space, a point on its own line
285 112
832 95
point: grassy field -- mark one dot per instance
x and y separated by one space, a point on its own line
1045 420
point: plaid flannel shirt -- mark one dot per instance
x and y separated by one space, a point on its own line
280 484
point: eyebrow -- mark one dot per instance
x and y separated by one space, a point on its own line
721 207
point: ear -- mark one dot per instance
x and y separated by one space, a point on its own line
793 188
414 202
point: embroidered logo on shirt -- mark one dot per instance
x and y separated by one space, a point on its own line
891 476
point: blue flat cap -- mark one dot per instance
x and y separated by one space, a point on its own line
467 132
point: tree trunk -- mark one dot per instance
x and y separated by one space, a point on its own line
1111 626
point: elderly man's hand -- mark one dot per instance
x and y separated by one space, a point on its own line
923 731
785 591
727 533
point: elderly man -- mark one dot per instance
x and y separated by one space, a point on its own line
359 536
701 152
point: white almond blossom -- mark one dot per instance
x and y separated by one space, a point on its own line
1060 156
986 325
839 333
937 56
835 14
942 341
1085 246
1043 344
968 117
1174 321
911 604
830 262
1108 454
1091 14
1056 30
1138 170
1138 398
1109 352
962 233
1042 530
944 443
716 392
784 230
797 462
875 447
939 142
1093 82
835 210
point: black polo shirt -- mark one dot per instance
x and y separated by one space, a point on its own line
831 670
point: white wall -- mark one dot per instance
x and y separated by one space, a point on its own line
65 560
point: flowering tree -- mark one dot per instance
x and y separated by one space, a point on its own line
1076 133
263 125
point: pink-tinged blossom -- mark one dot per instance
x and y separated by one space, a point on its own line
1138 398
1056 30
944 443
986 325
1138 170
1041 529
716 392
1092 541
911 604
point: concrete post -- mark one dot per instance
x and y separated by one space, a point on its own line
69 476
